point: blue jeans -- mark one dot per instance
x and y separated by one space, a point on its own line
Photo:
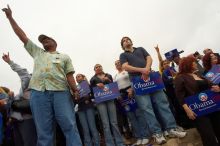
161 105
48 107
87 121
107 111
134 124
139 131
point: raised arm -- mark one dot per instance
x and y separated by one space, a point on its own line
18 31
22 72
158 53
160 59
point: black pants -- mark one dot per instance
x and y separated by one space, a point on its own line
209 129
25 133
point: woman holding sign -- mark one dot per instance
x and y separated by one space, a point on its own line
86 112
209 60
211 63
107 109
188 84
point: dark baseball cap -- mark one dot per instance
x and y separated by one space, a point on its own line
43 37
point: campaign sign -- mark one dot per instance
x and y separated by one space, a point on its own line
129 105
152 84
214 74
204 103
169 55
109 92
83 88
167 72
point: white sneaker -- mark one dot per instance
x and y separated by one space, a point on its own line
180 128
159 138
145 141
165 134
138 142
176 133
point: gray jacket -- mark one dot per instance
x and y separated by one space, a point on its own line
25 78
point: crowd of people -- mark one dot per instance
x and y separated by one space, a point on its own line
50 110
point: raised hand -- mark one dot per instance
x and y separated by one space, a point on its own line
157 48
18 31
6 57
7 11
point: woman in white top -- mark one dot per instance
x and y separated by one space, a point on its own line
124 84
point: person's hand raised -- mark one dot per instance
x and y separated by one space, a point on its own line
157 48
7 11
6 57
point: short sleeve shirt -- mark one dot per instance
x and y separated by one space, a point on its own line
137 58
50 69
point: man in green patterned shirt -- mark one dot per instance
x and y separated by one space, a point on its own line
50 97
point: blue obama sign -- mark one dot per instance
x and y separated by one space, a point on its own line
153 84
128 105
204 103
169 55
214 74
109 92
83 88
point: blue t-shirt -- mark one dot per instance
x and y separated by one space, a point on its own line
137 58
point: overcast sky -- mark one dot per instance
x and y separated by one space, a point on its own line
89 31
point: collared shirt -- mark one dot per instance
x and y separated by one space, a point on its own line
50 69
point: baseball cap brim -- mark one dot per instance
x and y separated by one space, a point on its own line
43 37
